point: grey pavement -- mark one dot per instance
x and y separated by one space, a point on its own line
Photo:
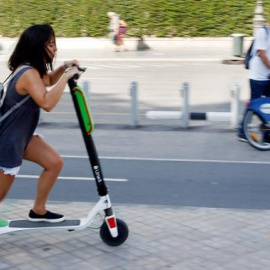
180 49
161 237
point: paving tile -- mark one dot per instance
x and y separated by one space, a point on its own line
160 238
4 265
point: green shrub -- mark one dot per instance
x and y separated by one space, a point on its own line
161 18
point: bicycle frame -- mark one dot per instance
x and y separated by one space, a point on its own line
256 123
261 106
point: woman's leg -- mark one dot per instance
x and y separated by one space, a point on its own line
40 152
6 181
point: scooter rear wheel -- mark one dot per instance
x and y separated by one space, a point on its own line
114 241
256 131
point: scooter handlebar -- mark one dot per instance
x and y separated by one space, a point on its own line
82 69
71 82
76 76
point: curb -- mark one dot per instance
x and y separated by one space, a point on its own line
101 43
233 61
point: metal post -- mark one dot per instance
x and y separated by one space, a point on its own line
185 109
134 107
258 20
235 105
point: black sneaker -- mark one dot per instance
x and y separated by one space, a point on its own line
48 217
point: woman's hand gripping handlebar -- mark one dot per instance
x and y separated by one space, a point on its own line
74 72
82 70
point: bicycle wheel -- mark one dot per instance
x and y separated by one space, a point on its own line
256 131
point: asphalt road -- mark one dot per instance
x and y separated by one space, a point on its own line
203 165
159 182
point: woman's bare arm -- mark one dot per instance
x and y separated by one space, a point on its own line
31 83
51 78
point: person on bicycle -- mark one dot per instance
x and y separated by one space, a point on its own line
259 69
30 63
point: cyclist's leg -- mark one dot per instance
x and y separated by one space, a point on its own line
261 89
253 93
257 89
267 131
267 90
40 152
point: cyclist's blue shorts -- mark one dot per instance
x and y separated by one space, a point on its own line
259 89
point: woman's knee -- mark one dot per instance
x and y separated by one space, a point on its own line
55 163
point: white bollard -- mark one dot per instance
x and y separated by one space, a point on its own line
164 115
134 104
235 105
185 107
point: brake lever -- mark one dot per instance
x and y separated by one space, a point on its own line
76 76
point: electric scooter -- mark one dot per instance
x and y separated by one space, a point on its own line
113 231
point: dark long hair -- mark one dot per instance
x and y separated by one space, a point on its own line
31 49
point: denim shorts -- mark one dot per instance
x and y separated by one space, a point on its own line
11 171
15 170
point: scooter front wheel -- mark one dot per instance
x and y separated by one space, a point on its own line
114 241
256 131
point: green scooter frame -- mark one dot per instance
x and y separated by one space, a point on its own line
113 231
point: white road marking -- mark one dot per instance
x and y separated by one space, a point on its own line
177 160
110 66
120 65
93 67
73 178
148 60
4 58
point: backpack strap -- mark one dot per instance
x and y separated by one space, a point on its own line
2 89
11 75
13 108
7 78
20 103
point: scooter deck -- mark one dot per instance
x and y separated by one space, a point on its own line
26 224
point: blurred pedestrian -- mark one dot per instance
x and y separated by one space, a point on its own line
122 29
117 30
259 69
113 27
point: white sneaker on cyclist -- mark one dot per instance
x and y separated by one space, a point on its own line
242 138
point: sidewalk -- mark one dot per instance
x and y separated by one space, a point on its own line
160 237
101 43
177 49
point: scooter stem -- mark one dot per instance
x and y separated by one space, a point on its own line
90 147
